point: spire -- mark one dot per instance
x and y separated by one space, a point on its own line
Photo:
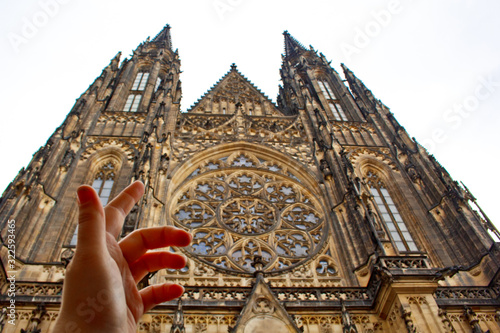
164 37
292 46
348 73
358 87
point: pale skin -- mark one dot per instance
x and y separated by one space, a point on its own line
100 288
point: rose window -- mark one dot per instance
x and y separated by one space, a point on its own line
240 206
248 216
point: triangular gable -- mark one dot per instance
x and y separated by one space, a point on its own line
235 91
263 313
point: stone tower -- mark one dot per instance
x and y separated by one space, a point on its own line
315 214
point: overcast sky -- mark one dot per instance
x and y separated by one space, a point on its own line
436 64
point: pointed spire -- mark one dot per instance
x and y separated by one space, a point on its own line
164 37
292 46
358 87
349 74
115 61
344 67
350 77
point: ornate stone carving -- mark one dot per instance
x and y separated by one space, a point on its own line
419 300
459 293
243 195
447 325
66 256
406 315
263 306
122 117
35 320
39 289
405 262
197 132
382 154
94 144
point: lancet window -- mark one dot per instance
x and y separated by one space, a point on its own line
333 103
157 84
132 103
103 184
390 215
140 81
134 99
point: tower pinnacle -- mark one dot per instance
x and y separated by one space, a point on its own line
164 37
292 46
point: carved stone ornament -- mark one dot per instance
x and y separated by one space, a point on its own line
228 199
263 305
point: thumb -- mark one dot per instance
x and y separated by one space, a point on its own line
91 222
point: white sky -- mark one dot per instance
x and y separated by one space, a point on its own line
421 58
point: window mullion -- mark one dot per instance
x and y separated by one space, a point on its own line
144 81
137 81
394 222
405 240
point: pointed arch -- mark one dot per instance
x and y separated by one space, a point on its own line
142 77
388 203
389 213
103 182
332 99
103 171
104 168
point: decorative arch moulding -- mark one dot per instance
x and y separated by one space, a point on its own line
117 146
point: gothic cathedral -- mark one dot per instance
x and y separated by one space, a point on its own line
317 213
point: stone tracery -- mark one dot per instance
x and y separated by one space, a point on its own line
240 206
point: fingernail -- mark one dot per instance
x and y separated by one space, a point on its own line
84 195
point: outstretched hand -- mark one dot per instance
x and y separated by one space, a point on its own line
100 289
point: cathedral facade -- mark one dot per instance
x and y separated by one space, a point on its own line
318 213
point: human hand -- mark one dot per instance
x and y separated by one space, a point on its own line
100 289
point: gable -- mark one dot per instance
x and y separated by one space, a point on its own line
233 92
264 313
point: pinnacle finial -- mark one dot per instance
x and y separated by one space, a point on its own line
164 37
258 264
292 46
233 67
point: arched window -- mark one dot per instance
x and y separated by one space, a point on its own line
390 215
333 103
140 81
132 104
134 99
157 84
103 184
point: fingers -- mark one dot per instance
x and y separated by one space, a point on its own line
119 207
153 261
91 225
140 241
157 294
